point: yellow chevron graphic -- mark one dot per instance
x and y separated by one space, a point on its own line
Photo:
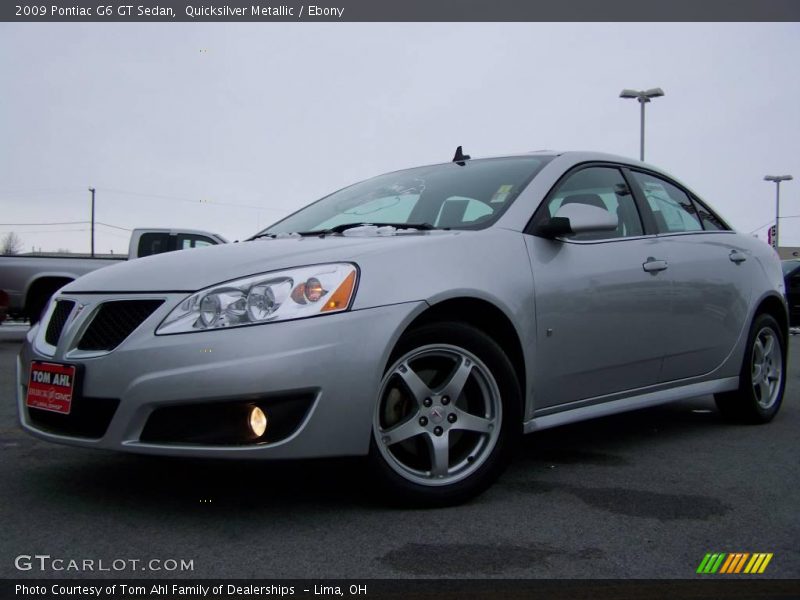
758 563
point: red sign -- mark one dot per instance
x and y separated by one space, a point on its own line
771 240
50 386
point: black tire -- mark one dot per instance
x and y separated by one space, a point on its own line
749 404
490 374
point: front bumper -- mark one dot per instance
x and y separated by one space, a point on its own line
338 358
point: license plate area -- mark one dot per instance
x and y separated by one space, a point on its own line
51 386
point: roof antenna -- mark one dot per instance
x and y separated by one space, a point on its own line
460 157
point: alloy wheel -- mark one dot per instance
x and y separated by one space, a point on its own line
439 415
766 367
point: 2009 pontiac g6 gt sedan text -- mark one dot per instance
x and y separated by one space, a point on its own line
424 318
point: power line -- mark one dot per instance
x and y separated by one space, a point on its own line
159 196
62 223
770 222
45 231
114 226
195 200
40 192
38 224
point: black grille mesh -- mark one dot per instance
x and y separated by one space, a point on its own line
115 321
58 320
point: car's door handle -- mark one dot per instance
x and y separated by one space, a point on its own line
651 265
737 257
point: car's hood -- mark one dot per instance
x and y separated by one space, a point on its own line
191 270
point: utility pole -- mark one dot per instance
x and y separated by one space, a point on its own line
776 179
91 189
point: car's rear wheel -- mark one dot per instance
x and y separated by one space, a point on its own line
762 379
447 416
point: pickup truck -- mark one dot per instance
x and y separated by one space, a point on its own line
28 281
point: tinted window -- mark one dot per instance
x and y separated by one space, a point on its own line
789 265
673 210
153 243
711 222
460 196
603 187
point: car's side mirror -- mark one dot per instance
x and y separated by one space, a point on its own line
578 218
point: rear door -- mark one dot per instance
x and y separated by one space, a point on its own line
711 275
599 298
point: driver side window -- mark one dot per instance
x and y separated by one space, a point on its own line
603 187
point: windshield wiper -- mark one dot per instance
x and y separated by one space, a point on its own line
345 226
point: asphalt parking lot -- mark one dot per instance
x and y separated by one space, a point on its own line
641 495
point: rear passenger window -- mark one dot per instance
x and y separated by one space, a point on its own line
673 210
710 221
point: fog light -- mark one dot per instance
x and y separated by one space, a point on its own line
257 421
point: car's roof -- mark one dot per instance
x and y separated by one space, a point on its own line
586 156
577 156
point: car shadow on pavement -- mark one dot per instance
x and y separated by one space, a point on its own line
174 485
604 440
150 483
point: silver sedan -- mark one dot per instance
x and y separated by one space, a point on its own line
425 319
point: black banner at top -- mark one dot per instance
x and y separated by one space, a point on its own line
398 10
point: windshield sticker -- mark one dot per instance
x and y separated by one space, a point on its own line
501 194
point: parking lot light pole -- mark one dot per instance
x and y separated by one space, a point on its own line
777 180
91 189
643 96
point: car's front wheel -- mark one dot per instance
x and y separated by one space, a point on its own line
447 416
763 376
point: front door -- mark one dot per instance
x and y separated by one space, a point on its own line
600 298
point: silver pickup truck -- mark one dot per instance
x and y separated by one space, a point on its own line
28 281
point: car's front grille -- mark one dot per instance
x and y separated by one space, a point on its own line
115 321
88 417
58 319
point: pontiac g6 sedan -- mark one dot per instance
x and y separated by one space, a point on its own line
425 319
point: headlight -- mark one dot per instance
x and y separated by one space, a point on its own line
277 296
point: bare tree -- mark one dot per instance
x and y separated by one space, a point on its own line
11 244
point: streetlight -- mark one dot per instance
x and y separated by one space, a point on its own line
643 96
777 180
91 189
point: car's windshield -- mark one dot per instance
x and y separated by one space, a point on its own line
468 195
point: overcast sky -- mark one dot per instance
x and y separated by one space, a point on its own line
228 127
